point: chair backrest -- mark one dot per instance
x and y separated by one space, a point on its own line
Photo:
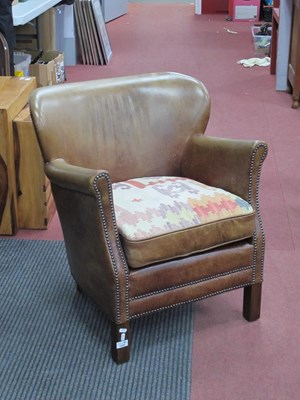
129 126
4 57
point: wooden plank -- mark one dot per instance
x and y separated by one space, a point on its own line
101 29
79 32
86 45
92 48
95 34
50 210
47 30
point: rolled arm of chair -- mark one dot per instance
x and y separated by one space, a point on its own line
71 177
233 165
85 205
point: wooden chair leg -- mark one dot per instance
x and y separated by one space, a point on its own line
120 342
252 302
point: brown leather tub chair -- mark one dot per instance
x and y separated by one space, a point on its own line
154 214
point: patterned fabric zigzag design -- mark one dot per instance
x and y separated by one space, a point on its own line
153 206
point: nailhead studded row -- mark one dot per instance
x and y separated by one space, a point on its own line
102 214
191 301
208 278
119 246
265 147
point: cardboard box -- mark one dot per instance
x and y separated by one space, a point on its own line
49 68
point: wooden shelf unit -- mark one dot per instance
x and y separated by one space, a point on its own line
274 40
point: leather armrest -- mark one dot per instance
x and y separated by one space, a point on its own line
233 165
71 177
85 206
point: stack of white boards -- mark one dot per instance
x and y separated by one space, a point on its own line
92 33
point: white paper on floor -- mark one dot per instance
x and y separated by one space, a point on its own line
250 62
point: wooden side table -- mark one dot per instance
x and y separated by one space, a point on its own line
14 94
36 205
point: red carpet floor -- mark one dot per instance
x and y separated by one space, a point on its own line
232 359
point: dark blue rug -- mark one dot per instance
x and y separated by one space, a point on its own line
55 343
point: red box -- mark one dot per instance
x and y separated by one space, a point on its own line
244 10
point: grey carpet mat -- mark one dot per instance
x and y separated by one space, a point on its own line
55 343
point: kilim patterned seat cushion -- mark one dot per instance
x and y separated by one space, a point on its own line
161 218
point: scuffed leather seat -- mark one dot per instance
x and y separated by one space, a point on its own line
154 214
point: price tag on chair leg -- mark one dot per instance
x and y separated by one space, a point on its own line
123 342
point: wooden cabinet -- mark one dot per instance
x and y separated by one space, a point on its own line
294 58
25 194
35 204
14 94
285 47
